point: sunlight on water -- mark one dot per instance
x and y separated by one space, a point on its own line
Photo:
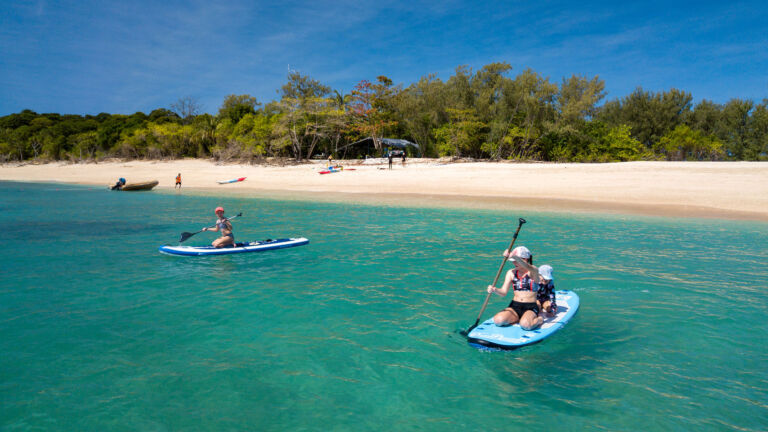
361 328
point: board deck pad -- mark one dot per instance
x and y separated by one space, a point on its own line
242 247
489 335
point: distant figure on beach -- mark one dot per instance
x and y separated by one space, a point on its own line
330 162
119 185
389 155
224 226
178 181
524 282
403 159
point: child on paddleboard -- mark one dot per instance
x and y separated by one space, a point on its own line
523 308
225 227
546 293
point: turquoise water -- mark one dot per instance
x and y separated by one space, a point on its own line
360 330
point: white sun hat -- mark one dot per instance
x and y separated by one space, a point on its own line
522 252
545 271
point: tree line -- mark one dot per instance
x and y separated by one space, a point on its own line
487 114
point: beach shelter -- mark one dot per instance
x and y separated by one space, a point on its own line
366 146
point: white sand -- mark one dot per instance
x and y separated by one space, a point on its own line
734 190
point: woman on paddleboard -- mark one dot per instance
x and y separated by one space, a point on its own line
545 287
523 308
224 226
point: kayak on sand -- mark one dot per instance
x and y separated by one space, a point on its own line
336 170
231 181
240 247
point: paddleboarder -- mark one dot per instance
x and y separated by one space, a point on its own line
523 308
224 226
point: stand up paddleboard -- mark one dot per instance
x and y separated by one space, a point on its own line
231 181
259 246
489 335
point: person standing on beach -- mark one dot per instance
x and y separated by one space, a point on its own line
403 159
389 155
224 226
178 181
330 162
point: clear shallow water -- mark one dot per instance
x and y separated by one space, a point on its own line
359 330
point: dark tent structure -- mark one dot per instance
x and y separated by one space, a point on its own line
366 147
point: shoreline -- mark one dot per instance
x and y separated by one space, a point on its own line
720 190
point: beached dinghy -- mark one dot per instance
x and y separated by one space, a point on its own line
139 186
258 246
489 335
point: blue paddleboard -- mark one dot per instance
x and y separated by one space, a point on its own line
259 246
489 335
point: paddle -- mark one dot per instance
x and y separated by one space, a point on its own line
496 279
187 235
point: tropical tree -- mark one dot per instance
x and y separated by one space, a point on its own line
371 108
236 107
684 143
462 136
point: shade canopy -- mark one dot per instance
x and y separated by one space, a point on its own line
367 143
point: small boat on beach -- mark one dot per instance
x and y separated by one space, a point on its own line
335 169
148 185
231 181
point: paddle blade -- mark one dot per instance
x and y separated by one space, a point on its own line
185 236
472 327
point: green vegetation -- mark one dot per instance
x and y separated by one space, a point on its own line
484 114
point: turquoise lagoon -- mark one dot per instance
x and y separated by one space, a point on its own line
361 329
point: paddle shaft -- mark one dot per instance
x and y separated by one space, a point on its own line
186 235
496 279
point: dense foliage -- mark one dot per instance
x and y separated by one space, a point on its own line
484 114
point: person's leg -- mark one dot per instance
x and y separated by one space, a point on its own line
505 317
530 320
223 242
546 307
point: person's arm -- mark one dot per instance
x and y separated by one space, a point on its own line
213 228
532 269
504 287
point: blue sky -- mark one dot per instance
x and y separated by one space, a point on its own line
86 57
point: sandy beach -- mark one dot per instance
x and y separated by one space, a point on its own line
728 190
